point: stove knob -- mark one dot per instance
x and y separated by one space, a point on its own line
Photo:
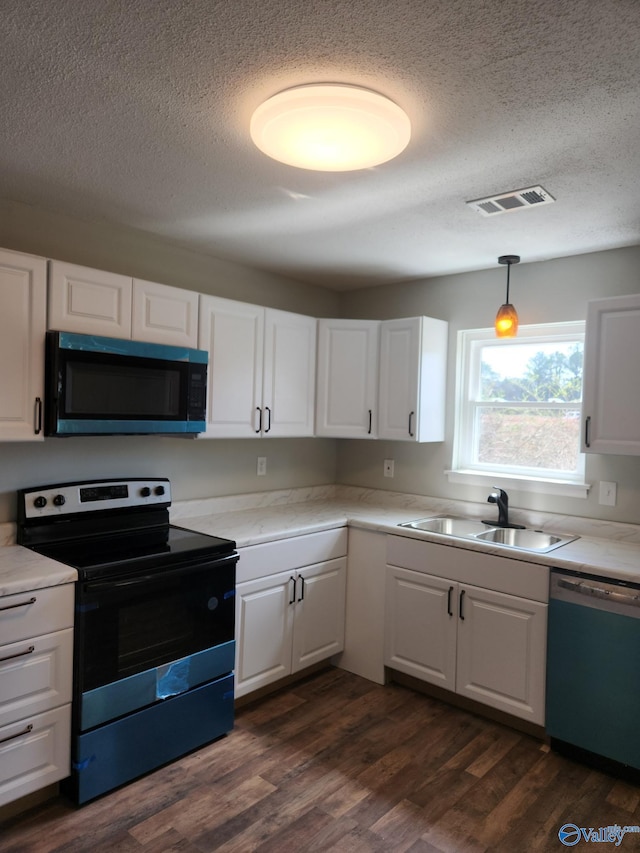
159 490
40 502
59 500
145 491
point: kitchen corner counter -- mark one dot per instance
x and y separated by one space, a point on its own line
611 550
22 570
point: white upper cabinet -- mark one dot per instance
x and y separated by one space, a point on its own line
347 392
611 382
261 379
95 302
413 360
289 385
233 334
164 315
23 290
89 301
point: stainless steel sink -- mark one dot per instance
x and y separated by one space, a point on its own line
525 540
510 537
447 525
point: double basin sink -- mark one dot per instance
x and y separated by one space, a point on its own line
522 539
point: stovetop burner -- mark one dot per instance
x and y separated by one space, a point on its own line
108 527
161 547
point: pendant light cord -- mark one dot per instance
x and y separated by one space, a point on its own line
508 273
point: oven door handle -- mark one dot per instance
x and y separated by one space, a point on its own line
138 580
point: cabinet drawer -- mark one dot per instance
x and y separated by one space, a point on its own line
35 675
34 752
29 614
286 555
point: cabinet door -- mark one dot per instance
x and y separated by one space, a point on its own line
164 315
420 626
288 392
264 626
35 675
347 392
34 752
413 357
502 651
611 385
23 299
233 334
318 629
89 301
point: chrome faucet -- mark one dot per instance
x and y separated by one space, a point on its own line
501 498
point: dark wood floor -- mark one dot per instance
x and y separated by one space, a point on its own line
338 763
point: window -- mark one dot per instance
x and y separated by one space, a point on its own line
518 408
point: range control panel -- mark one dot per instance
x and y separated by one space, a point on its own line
89 496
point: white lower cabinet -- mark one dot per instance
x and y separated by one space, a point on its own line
289 620
35 689
481 643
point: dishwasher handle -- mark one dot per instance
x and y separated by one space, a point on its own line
606 592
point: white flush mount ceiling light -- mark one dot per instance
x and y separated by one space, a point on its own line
330 127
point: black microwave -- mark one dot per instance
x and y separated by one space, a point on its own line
107 386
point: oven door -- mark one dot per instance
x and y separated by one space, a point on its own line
144 638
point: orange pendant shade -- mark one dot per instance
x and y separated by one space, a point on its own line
506 321
506 324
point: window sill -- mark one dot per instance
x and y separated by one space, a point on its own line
563 488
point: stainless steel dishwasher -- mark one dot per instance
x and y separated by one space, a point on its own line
593 669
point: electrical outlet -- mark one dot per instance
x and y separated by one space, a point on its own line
388 467
262 466
608 493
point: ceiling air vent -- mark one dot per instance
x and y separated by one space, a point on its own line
514 200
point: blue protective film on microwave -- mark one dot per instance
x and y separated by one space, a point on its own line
172 679
121 346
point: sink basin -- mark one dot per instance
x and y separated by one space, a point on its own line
447 525
525 540
511 537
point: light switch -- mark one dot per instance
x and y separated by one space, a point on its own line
262 466
608 493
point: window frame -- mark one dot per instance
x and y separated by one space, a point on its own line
464 468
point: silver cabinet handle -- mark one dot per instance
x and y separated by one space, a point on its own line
25 731
29 651
37 416
32 600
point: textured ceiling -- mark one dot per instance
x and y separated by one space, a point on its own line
137 112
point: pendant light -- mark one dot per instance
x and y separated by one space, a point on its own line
506 324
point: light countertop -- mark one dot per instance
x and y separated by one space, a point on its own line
22 570
607 549
604 548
